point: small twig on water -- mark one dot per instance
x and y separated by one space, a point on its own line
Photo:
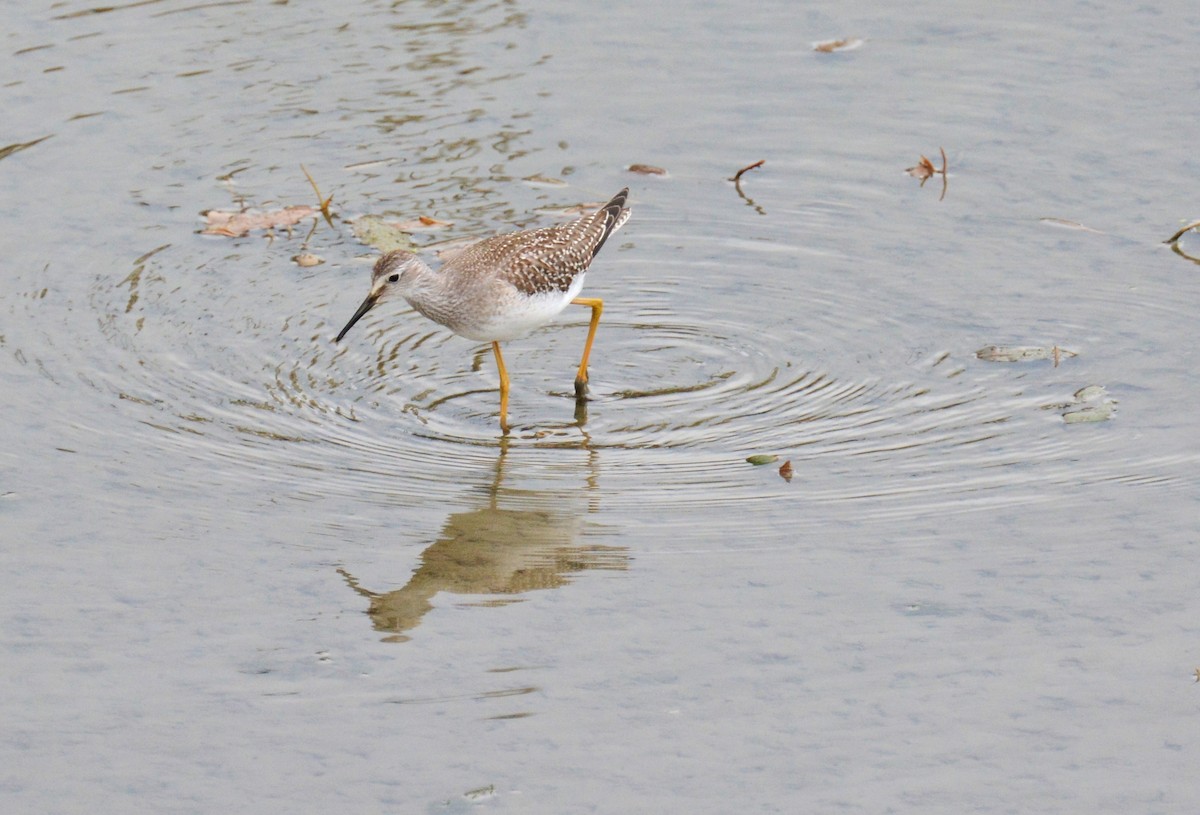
323 202
738 175
943 172
1179 234
737 185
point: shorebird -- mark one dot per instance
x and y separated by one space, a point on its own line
504 287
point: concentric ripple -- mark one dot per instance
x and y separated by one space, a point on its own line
401 407
230 360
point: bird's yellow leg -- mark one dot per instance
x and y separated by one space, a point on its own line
581 378
503 388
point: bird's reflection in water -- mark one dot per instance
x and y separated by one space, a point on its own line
520 541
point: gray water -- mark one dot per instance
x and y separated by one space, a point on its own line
247 569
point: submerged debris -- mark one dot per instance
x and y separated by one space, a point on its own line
1091 413
1088 404
1092 404
385 236
1023 353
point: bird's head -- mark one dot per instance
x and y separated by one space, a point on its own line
395 274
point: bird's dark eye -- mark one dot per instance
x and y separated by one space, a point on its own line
392 278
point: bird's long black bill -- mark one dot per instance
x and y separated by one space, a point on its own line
363 309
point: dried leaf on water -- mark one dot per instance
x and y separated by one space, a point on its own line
237 224
1022 353
785 470
830 46
306 259
924 170
1181 232
385 236
646 169
762 458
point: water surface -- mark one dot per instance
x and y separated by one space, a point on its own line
248 567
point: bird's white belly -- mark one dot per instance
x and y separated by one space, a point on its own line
519 314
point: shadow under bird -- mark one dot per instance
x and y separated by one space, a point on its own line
504 287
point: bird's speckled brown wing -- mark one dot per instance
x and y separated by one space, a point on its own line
544 260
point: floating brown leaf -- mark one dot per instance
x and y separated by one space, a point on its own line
924 170
236 224
646 169
785 470
829 46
